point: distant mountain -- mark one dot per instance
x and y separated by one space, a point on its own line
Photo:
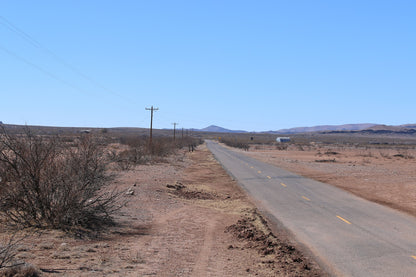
218 129
382 127
389 129
410 126
324 128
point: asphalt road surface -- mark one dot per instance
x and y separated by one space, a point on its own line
350 236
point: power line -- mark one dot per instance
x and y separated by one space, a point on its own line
19 32
41 69
31 40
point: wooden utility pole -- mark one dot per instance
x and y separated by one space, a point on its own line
174 130
151 124
182 134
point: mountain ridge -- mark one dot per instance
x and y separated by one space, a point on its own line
325 128
359 127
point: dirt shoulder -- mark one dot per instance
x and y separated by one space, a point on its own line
383 175
184 218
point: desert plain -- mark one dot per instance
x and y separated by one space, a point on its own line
185 216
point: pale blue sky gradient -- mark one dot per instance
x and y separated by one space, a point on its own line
253 65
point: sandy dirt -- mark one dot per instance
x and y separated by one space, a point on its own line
184 218
383 175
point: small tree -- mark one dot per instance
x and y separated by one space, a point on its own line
47 183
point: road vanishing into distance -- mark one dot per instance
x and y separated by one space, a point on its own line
348 235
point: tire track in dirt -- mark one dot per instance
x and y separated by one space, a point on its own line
201 267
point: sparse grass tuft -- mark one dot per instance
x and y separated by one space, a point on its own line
405 155
24 270
385 155
326 161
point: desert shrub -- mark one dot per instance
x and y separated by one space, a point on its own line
134 141
140 151
282 146
46 183
404 155
366 161
326 161
9 265
368 154
7 251
23 270
385 155
300 147
237 143
187 142
126 159
162 146
123 160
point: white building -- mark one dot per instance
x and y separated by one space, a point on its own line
282 139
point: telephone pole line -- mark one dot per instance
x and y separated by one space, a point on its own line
151 124
174 130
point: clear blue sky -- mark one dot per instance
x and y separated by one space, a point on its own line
253 65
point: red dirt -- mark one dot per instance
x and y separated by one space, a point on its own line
203 224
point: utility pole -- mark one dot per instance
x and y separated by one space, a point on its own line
174 130
151 124
182 134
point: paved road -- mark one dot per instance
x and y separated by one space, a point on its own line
349 235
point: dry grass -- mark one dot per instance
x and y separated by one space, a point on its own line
24 270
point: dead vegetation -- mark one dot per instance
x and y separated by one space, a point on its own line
325 161
23 270
63 183
48 184
10 265
236 142
159 224
137 150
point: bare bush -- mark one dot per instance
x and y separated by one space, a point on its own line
282 146
330 152
126 159
385 155
237 143
369 154
300 147
9 265
46 183
7 251
141 152
24 270
326 161
404 154
162 147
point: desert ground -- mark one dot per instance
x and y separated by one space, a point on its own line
184 217
381 173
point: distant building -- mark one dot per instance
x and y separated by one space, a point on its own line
282 139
